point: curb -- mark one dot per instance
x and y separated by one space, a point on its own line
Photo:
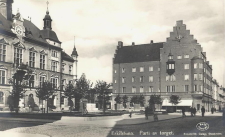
148 122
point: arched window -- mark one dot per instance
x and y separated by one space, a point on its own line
1 97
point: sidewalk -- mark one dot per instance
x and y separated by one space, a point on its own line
199 114
140 119
17 134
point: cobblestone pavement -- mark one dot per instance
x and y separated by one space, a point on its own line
77 127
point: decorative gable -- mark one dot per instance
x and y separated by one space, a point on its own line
19 45
33 49
180 35
4 41
43 52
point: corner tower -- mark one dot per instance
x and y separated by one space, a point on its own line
74 55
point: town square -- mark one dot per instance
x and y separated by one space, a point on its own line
112 68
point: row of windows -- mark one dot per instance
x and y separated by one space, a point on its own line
171 88
180 57
134 90
196 65
141 79
30 79
54 64
141 69
168 78
70 69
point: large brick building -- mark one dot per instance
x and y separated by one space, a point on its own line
22 42
178 66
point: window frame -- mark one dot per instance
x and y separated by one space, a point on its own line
3 52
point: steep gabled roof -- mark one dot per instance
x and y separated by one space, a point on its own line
66 57
138 53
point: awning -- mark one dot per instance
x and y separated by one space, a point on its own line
182 103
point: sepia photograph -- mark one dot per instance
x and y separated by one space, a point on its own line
112 68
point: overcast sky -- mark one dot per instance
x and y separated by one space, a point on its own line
98 25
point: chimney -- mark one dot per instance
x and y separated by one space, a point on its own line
133 43
179 22
151 42
9 9
120 44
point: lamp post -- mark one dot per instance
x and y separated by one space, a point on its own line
17 91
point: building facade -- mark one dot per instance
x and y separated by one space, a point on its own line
22 42
175 67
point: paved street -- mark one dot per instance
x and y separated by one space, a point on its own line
83 127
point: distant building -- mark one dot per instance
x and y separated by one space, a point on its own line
175 67
22 42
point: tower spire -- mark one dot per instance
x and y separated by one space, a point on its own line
47 19
47 6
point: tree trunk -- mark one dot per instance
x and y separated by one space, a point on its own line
47 105
103 104
42 106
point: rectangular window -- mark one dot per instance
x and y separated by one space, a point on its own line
173 88
142 79
2 77
124 90
151 89
1 97
195 65
133 79
200 76
133 69
172 78
133 89
186 77
54 65
54 53
42 61
167 88
167 78
141 89
2 52
115 81
186 66
70 70
30 79
63 83
17 56
32 59
123 70
115 91
141 69
150 78
151 68
195 87
201 65
186 56
54 82
179 57
62 100
123 79
41 80
115 71
186 88
195 76
200 88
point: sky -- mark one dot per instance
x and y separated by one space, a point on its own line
98 25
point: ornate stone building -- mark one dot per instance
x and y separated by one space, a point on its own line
175 67
22 42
